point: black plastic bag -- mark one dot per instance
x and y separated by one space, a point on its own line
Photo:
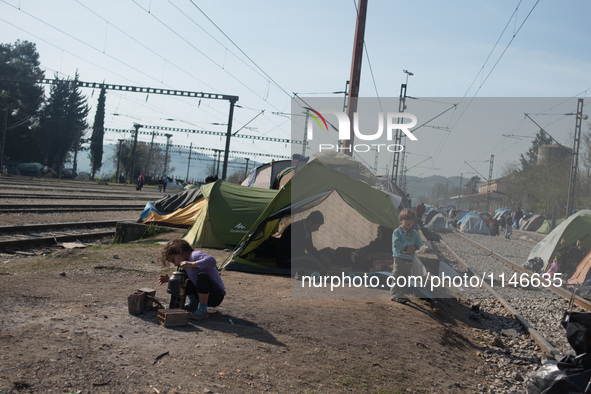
578 331
559 377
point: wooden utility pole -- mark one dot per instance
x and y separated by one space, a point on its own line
355 72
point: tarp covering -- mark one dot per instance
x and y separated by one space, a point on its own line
581 272
171 203
576 227
182 217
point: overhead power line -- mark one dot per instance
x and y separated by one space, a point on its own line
216 150
207 132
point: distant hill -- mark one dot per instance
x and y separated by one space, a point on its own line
419 187
179 161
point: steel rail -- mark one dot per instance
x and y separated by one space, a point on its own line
45 226
68 197
579 301
66 210
85 206
546 346
32 241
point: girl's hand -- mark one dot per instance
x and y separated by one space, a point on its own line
162 279
187 264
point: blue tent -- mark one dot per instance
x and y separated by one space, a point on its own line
499 213
460 215
473 223
430 214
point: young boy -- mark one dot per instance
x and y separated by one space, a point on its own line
204 287
405 242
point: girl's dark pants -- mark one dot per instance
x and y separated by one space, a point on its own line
206 285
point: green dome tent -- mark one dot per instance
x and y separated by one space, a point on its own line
227 212
348 195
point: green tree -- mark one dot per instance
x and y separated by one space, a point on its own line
236 176
20 99
531 156
472 185
98 133
142 158
63 122
537 188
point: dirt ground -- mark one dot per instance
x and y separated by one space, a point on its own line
65 327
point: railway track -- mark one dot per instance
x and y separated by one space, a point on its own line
579 301
25 196
51 208
537 307
24 236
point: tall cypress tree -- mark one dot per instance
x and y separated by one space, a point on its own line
98 132
63 121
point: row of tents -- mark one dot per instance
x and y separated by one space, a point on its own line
471 222
354 202
529 222
250 217
467 222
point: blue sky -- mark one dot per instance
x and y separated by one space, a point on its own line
305 47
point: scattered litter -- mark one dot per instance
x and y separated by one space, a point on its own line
116 256
159 357
231 322
511 332
71 245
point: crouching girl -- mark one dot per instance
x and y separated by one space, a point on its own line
204 287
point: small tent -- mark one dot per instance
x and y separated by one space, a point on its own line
344 191
534 223
499 213
460 215
546 226
430 214
576 227
473 223
227 211
269 175
439 223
